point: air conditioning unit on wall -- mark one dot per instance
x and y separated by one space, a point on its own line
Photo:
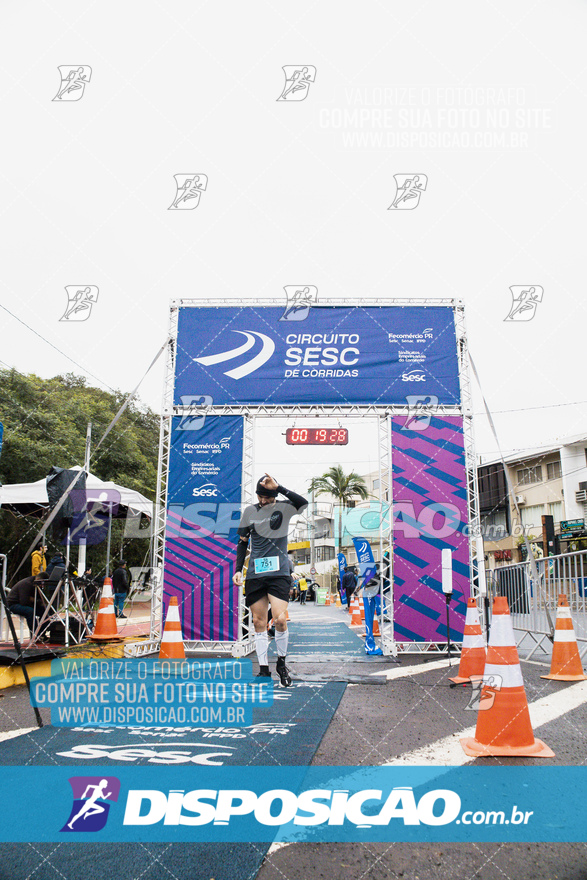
520 499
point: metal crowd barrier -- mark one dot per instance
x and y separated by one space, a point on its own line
533 604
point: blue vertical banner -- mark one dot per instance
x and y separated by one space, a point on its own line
203 512
341 567
365 560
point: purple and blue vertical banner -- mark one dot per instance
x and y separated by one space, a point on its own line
203 512
430 514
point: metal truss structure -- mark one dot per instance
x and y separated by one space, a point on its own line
383 413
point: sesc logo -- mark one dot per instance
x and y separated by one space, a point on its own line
208 490
414 376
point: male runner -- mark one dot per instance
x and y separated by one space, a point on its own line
268 580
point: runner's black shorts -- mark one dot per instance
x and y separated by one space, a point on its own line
256 588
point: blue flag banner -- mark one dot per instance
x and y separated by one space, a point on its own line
342 563
365 560
314 804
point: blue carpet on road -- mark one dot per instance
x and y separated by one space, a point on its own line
329 638
287 733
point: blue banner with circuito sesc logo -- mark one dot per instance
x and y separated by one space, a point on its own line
337 355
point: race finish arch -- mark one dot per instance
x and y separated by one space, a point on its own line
233 363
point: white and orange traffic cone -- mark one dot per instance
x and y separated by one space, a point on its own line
376 630
356 616
338 603
473 651
106 629
565 664
171 647
327 602
503 722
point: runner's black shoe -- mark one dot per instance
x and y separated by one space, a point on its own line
264 672
283 672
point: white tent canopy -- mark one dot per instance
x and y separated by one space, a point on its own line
32 497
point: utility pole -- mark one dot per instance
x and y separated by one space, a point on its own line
81 556
312 532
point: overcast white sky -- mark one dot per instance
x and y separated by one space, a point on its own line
299 193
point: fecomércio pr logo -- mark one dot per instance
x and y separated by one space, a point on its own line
92 797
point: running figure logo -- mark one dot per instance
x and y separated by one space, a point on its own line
299 302
193 422
79 302
189 188
525 301
90 802
297 82
421 408
74 79
409 189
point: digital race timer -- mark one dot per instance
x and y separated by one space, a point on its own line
317 436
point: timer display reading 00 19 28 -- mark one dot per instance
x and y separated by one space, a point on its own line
317 436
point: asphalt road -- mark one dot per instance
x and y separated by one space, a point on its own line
402 714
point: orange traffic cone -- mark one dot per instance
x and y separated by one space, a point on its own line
171 647
566 662
376 630
106 629
338 603
356 616
503 723
327 602
473 652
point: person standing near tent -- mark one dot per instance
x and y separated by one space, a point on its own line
268 580
38 560
120 584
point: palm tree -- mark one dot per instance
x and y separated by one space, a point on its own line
343 487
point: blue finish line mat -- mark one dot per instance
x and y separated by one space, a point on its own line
284 734
323 637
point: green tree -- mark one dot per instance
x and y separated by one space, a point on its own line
45 422
344 487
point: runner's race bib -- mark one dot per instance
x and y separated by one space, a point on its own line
266 563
